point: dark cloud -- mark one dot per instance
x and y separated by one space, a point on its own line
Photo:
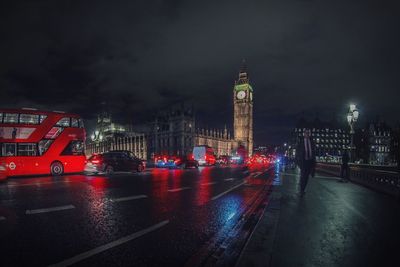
304 57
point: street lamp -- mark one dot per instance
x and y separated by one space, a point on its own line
96 136
352 117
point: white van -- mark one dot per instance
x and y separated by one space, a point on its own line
204 155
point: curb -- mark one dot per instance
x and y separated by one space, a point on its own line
259 247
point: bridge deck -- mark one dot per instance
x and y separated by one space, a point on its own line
334 224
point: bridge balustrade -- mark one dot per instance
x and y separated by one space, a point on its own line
382 180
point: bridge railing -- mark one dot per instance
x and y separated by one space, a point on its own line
385 181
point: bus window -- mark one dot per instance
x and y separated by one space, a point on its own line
1 117
10 118
74 122
64 122
29 118
73 148
27 149
44 146
42 118
9 149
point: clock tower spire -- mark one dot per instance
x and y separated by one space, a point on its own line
243 110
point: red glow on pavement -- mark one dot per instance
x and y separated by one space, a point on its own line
204 191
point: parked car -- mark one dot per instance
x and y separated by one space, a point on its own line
114 161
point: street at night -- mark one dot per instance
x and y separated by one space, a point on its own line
159 217
199 133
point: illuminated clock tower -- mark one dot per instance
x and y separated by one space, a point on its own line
243 111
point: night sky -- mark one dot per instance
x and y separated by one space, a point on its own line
305 58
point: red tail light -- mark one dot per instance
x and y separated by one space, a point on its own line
96 161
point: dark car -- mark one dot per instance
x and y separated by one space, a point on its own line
176 162
224 160
114 161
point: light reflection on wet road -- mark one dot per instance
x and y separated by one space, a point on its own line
154 218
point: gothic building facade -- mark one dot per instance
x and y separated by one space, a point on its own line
243 111
174 132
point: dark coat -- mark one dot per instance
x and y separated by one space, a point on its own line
345 159
301 153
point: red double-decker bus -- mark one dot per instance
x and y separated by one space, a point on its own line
36 142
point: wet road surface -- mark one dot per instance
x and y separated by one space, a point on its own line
156 218
335 224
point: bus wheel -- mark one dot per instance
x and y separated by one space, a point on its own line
56 168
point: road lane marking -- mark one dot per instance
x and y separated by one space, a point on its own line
229 179
110 245
256 174
35 184
209 183
2 218
128 198
227 191
178 189
66 207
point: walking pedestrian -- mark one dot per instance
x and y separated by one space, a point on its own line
345 170
305 159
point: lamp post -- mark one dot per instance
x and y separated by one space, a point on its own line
352 117
96 136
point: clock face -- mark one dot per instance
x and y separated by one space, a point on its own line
241 95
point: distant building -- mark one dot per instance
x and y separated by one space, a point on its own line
379 143
113 136
330 138
243 110
376 144
173 131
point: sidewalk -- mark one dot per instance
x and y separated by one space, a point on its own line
334 224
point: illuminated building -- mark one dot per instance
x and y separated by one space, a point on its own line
379 143
243 111
174 132
330 139
113 136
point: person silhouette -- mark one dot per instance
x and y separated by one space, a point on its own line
14 133
305 159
